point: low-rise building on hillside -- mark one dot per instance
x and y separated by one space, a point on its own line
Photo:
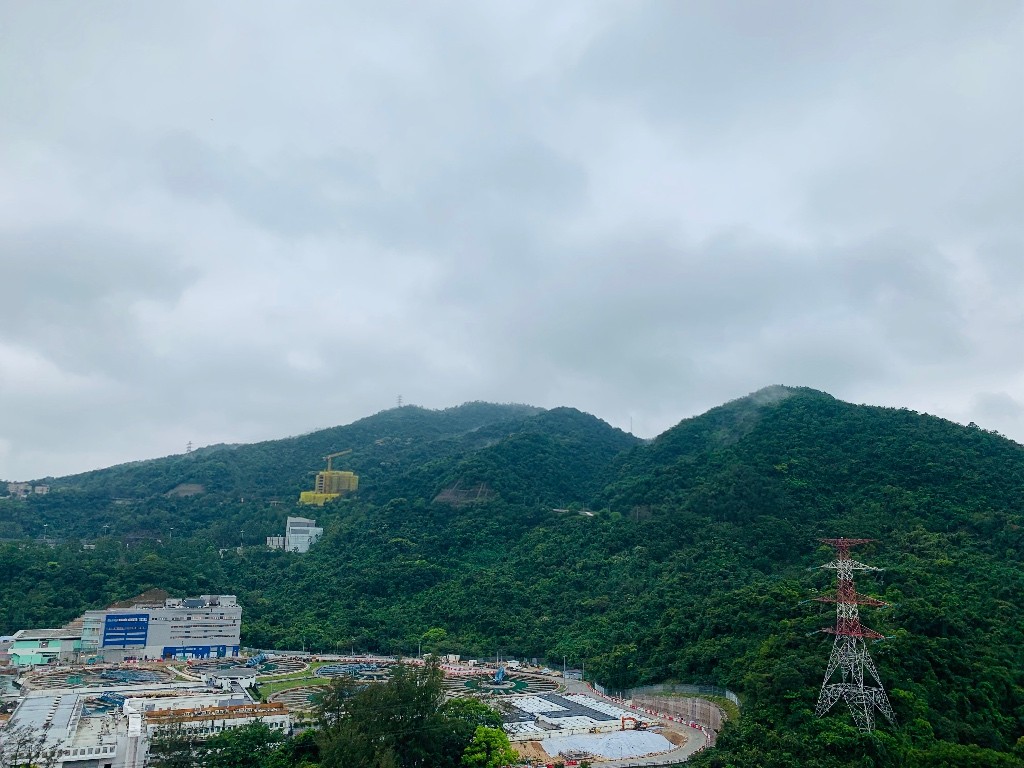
300 534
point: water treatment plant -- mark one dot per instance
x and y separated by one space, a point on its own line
98 689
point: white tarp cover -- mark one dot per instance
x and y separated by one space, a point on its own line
615 744
535 705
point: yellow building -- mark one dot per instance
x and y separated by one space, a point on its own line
330 485
336 482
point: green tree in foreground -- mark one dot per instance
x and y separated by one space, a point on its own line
252 746
402 723
24 746
490 748
174 747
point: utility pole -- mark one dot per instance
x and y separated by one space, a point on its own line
849 651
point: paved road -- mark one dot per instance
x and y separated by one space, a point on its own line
695 739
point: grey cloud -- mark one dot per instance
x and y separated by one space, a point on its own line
1002 262
488 195
709 63
662 317
71 291
295 196
261 223
910 289
999 408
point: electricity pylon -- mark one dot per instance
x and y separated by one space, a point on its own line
850 654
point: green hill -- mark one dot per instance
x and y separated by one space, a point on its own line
382 444
550 534
229 487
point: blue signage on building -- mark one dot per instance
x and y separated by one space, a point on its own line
125 629
199 651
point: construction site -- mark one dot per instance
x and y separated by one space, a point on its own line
104 716
330 483
93 693
548 717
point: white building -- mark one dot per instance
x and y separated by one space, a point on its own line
20 490
62 737
201 627
231 678
299 535
112 727
206 718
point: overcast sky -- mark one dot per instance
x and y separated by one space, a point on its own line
234 221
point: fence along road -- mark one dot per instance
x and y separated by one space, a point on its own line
696 739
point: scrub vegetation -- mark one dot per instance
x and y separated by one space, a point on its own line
690 558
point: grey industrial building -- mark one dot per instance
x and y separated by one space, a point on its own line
154 626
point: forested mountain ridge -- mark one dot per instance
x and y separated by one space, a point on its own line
283 466
694 562
401 452
807 455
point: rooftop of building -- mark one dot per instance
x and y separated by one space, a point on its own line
151 598
258 709
50 716
159 598
48 634
97 730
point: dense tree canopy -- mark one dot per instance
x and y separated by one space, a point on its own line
691 558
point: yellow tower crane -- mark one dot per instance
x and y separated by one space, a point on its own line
331 483
329 457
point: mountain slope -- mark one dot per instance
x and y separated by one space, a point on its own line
517 452
696 563
283 467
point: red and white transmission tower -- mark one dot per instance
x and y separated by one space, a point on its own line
849 652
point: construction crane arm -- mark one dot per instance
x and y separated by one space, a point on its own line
331 456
